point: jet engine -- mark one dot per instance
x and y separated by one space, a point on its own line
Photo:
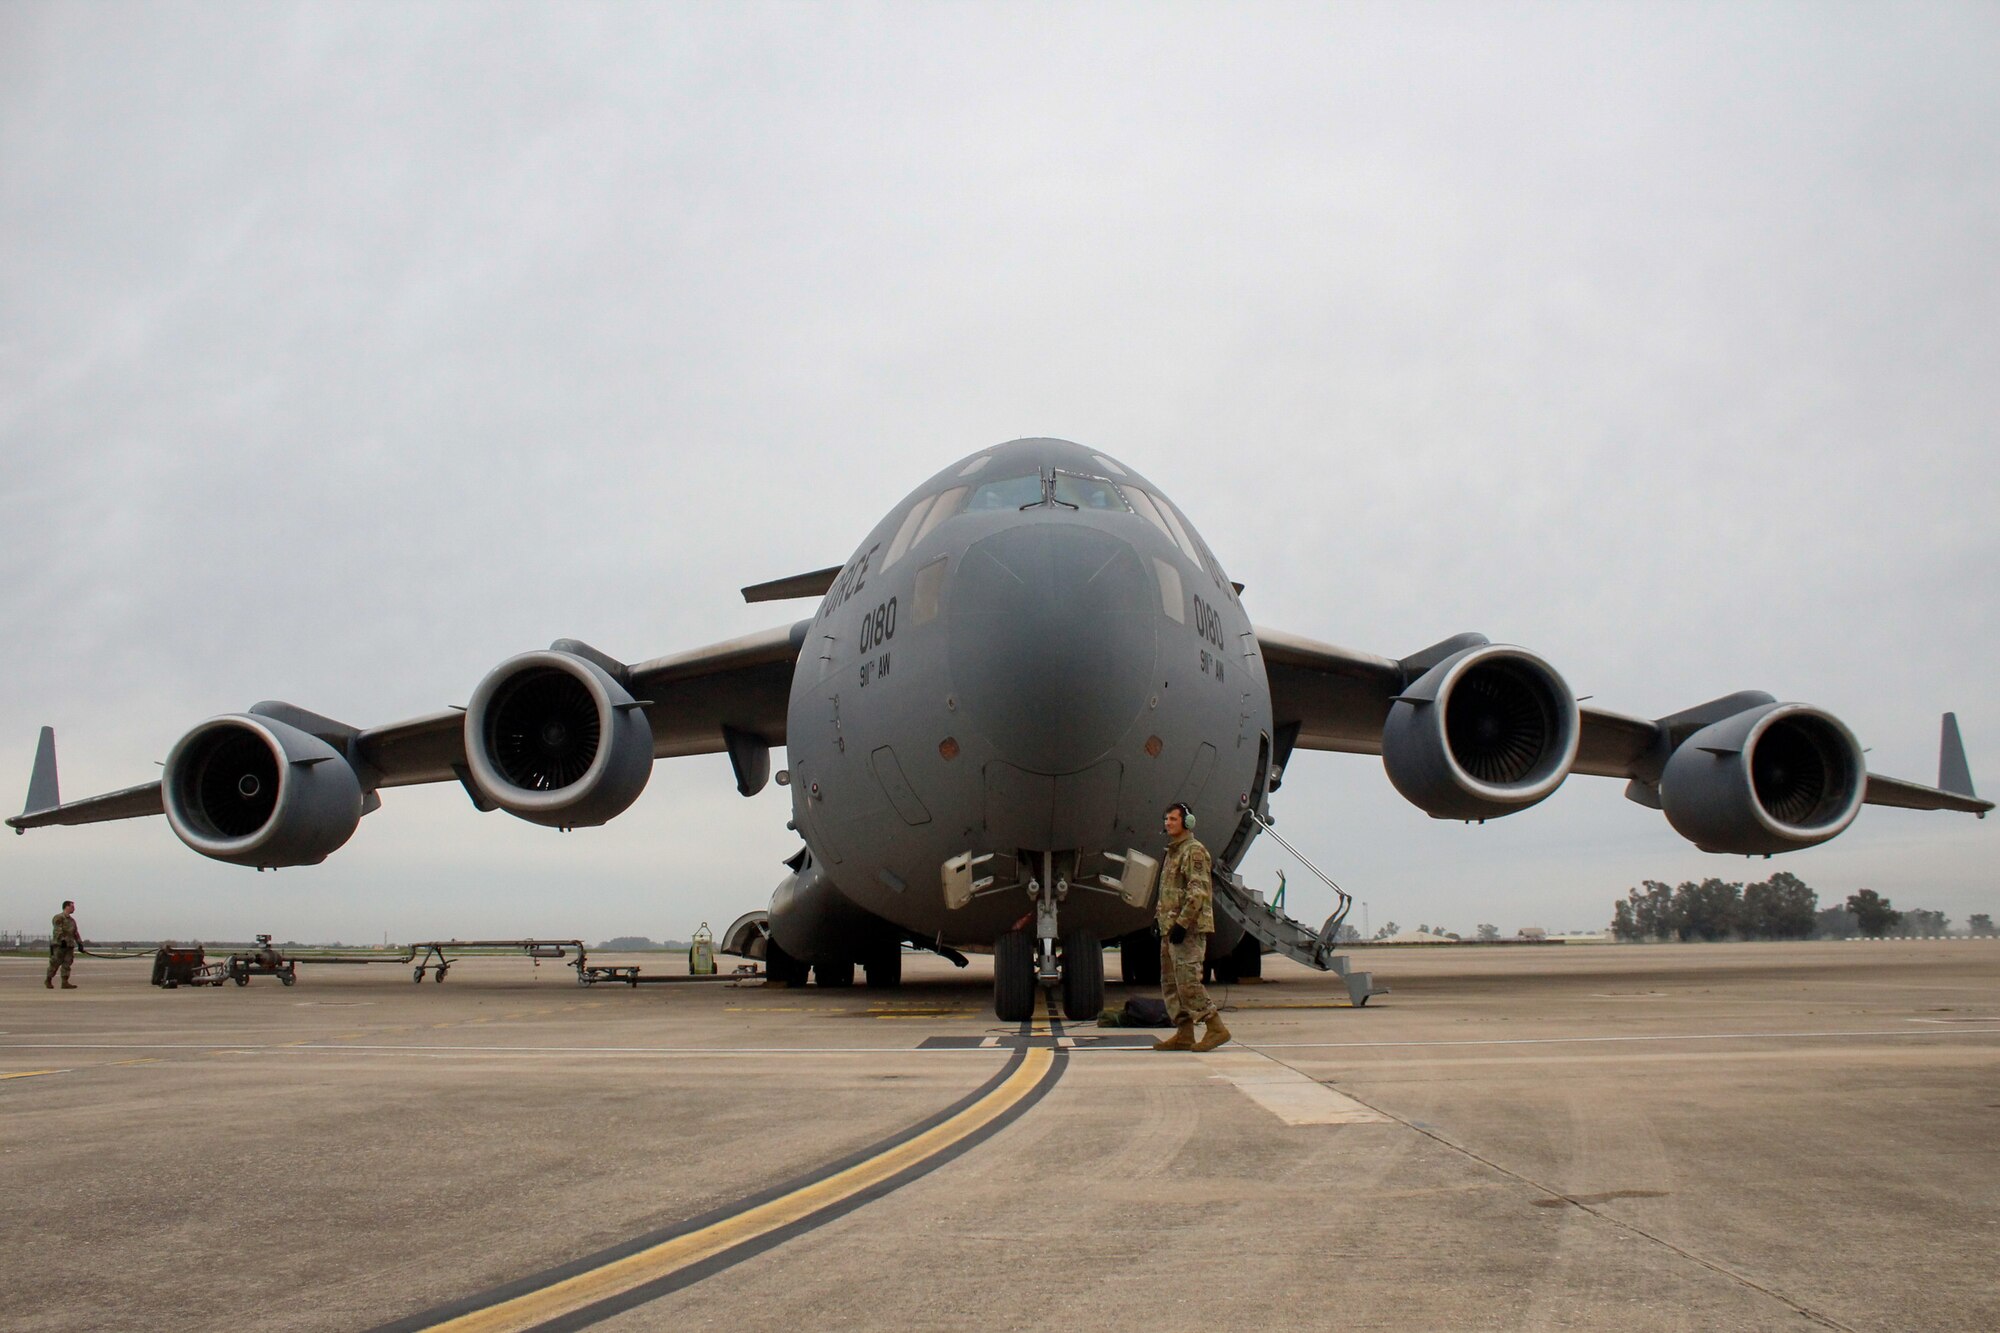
1773 778
552 738
1484 733
253 791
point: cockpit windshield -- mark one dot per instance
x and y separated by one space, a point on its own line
1087 492
1009 493
1070 489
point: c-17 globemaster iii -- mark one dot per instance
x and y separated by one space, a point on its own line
1018 669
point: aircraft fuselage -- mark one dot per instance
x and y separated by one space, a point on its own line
1032 654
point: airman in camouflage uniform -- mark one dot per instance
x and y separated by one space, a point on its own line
64 940
1186 916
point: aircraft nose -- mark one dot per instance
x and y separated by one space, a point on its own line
1054 636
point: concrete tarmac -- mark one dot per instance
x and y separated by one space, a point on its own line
1634 1137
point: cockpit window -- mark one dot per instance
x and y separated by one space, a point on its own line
1142 505
1072 490
1012 493
1181 537
1202 555
942 508
907 533
1222 580
1161 515
1107 465
1087 492
975 465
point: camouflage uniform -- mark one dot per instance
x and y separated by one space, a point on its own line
63 941
1186 897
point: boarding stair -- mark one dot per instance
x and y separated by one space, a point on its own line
1276 932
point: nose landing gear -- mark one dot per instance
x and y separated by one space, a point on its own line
1014 977
1072 960
1082 975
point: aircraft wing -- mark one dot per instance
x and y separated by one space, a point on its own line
728 697
1339 699
131 803
1325 697
743 685
1916 796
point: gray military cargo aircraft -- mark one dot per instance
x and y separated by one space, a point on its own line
1018 669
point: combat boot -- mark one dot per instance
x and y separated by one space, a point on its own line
1213 1035
68 984
49 981
1182 1040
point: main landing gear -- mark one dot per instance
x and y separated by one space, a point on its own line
1139 958
883 968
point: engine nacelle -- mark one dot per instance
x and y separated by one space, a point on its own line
253 791
1484 733
1771 779
552 738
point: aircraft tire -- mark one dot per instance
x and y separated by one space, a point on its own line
1014 976
1248 958
1139 958
834 976
781 968
1082 975
885 970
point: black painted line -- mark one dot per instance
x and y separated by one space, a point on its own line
561 1272
750 1249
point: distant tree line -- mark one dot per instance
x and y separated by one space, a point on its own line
1782 907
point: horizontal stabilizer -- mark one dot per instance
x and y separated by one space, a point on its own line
42 790
814 584
1954 775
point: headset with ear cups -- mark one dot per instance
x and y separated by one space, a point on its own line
1187 815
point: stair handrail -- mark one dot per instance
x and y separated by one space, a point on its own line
1345 901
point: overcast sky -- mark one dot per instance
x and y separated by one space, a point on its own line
348 349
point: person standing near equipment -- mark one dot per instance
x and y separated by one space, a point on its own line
64 940
1186 917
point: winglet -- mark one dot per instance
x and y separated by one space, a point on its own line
42 793
1954 775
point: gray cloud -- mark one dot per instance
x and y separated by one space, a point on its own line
345 350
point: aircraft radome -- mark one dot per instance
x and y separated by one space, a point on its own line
1018 669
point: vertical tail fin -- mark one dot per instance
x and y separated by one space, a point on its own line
42 793
1953 774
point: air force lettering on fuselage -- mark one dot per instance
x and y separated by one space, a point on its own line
1022 665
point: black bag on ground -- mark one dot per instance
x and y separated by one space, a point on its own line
1145 1013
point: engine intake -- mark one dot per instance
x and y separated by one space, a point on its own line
253 791
1770 779
551 738
1484 733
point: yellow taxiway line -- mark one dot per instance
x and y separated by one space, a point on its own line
670 1256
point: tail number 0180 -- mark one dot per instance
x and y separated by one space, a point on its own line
877 627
